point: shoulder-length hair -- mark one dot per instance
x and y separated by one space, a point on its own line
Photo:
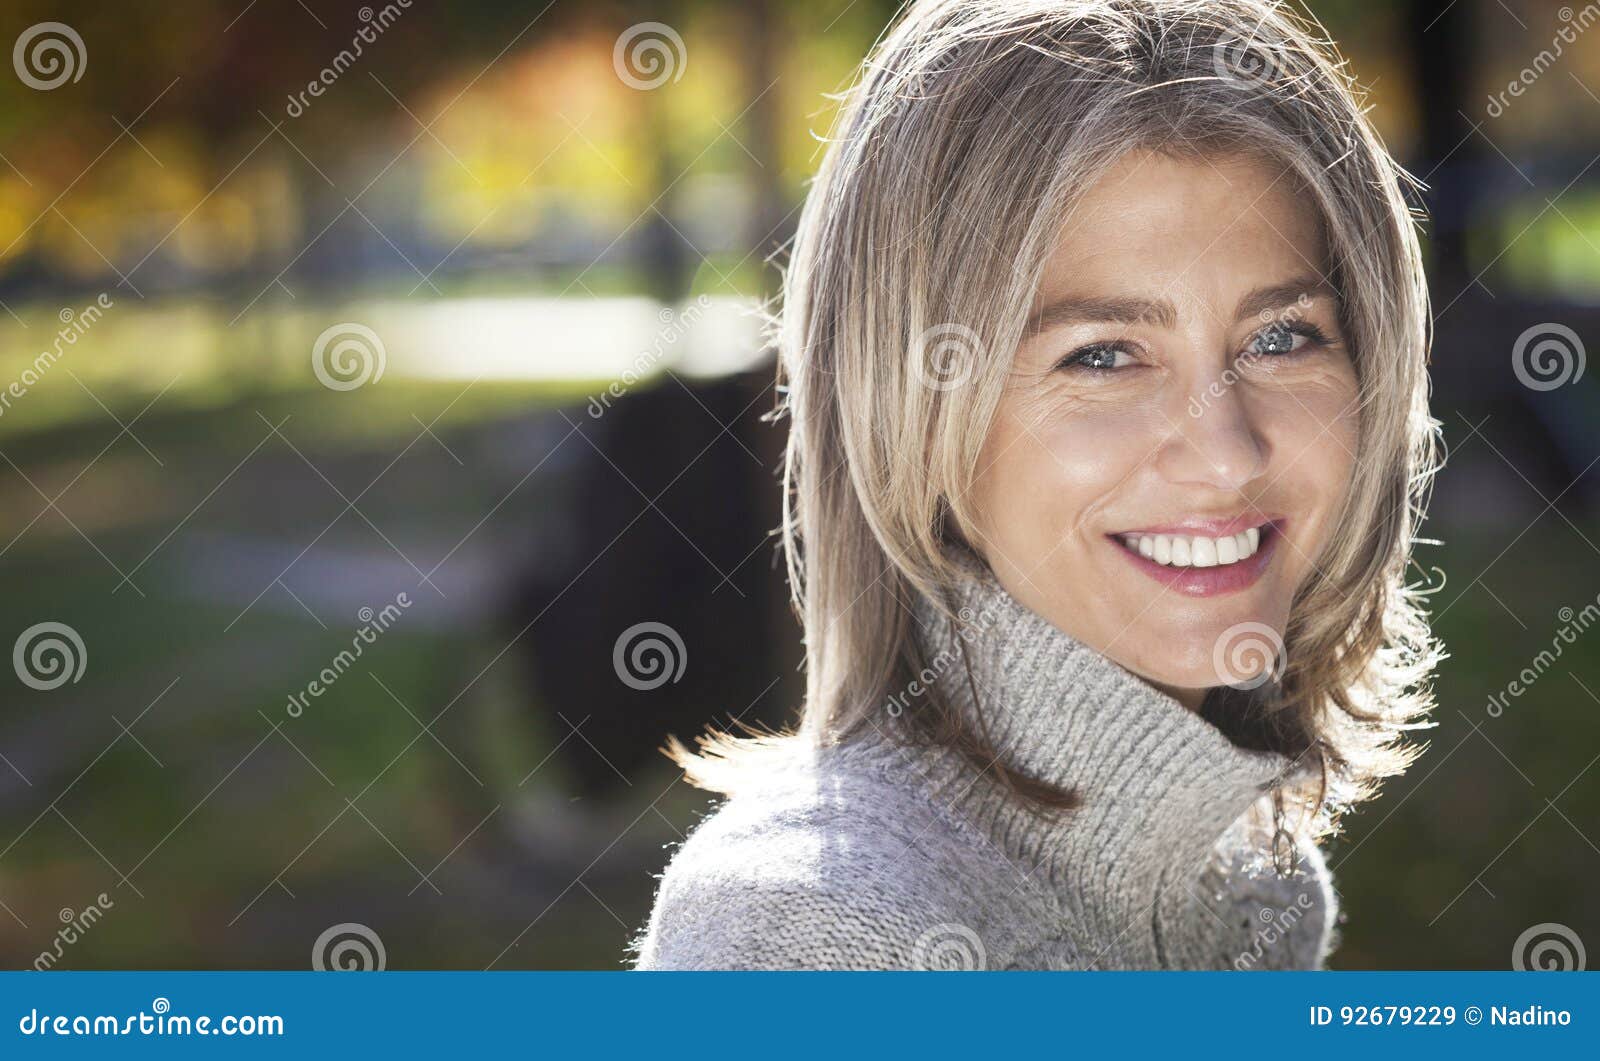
956 158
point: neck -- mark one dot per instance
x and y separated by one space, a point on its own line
1157 784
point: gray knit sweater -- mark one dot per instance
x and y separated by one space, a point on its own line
874 855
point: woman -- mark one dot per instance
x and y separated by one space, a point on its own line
1104 338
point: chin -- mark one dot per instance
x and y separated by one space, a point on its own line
1188 668
1216 650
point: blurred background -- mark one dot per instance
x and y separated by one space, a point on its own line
373 372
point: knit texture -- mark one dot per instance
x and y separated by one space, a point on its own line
876 854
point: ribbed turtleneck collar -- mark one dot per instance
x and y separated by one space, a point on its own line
1159 784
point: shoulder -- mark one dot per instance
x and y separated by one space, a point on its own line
1282 922
830 865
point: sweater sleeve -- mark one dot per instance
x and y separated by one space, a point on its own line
793 891
748 925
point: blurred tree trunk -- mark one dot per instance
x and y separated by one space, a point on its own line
768 224
668 271
1441 41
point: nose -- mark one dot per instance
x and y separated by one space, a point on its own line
1215 441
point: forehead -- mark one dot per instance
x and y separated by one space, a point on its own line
1172 227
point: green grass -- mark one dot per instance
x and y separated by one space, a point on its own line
224 813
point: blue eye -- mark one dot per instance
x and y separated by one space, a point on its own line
1280 338
1096 357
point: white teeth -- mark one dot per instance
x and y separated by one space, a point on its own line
1227 550
1179 550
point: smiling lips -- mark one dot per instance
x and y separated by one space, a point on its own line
1209 559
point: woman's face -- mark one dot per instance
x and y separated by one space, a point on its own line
1179 425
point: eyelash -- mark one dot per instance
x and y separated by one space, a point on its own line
1315 339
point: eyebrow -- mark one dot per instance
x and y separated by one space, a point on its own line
1083 310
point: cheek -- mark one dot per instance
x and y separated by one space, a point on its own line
1050 466
1317 432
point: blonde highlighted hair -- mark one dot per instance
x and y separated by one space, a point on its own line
958 154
